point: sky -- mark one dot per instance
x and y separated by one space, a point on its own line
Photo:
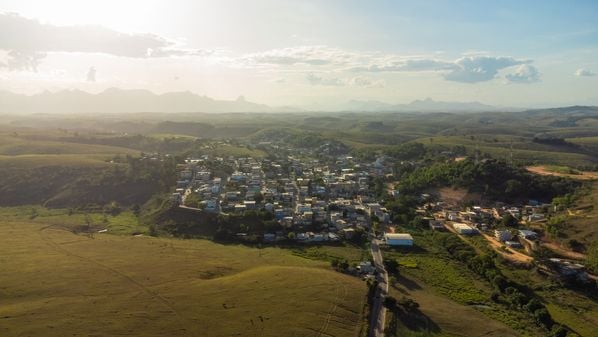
307 53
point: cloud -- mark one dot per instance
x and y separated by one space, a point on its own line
91 74
584 72
397 64
469 69
472 69
307 55
27 42
318 80
23 60
365 82
525 73
359 81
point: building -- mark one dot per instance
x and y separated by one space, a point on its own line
528 235
503 236
398 239
513 244
462 228
436 225
366 267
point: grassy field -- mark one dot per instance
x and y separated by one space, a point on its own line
447 289
46 142
499 147
30 161
582 221
575 310
55 283
438 315
123 223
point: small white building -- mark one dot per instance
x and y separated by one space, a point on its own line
398 239
466 229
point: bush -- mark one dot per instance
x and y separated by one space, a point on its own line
409 304
543 318
391 265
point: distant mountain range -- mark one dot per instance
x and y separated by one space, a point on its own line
425 105
115 100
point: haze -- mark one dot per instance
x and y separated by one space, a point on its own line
307 53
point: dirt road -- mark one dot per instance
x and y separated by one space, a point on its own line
584 175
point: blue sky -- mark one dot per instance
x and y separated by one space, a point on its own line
280 52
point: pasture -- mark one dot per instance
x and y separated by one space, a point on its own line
56 283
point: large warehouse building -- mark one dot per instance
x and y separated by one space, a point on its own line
398 239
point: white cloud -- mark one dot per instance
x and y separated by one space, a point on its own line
28 41
307 55
314 79
359 81
584 72
525 73
472 69
468 69
365 82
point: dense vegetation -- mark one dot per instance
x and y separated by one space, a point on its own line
494 179
126 180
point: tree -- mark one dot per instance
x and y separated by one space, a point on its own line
555 226
391 265
543 318
136 209
558 331
389 302
499 282
409 304
344 265
508 220
513 188
542 254
533 305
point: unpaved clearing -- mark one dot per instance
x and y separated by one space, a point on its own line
510 254
583 175
563 251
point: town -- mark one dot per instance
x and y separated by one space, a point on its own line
306 198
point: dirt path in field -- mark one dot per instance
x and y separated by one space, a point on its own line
154 295
563 251
337 298
585 175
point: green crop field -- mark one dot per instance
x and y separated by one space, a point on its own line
55 283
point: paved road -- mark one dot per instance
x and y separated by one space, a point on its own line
378 313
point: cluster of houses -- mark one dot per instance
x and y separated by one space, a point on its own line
477 219
317 201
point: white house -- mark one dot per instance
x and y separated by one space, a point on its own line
398 239
462 228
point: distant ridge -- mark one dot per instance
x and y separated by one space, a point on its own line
425 105
114 100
